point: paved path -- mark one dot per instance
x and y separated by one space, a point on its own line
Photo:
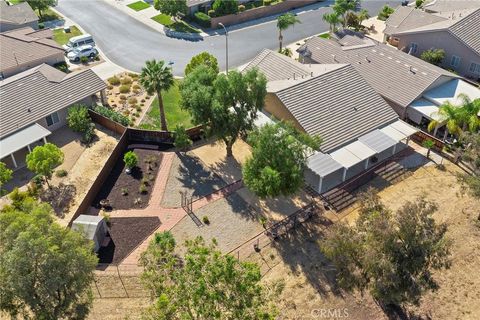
129 42
169 217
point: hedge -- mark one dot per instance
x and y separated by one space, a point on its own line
112 115
203 19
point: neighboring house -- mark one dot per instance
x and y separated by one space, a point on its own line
25 48
35 102
442 6
405 18
357 126
17 16
459 36
198 5
404 81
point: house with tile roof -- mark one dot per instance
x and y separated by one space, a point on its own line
333 101
34 103
404 81
17 16
457 32
25 48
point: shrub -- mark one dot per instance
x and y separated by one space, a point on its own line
205 220
79 121
143 100
84 60
224 7
41 25
137 114
106 218
132 100
138 108
267 2
137 201
38 180
126 113
124 88
145 181
109 87
61 173
97 58
142 189
182 140
123 97
126 80
241 8
62 66
124 192
114 81
211 13
131 159
203 19
136 87
112 115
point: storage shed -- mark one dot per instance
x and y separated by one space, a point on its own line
92 227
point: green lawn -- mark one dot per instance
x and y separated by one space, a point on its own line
180 26
324 35
14 1
138 6
175 115
62 38
48 15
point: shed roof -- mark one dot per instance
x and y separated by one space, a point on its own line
33 94
394 74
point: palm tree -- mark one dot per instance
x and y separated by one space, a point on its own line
341 7
155 77
451 116
362 16
283 23
333 19
469 113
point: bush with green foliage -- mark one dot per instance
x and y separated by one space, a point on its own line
126 80
84 60
211 13
267 2
131 159
124 88
241 8
114 81
62 66
433 56
205 220
385 12
203 19
171 7
418 3
79 121
46 270
5 176
61 173
203 58
224 7
112 115
182 140
43 159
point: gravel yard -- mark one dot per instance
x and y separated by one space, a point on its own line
231 223
188 174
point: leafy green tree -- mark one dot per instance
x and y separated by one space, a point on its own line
342 7
385 12
433 56
363 15
279 156
182 140
429 144
204 284
43 159
284 22
390 255
156 77
226 104
224 7
5 176
418 4
41 5
130 159
203 58
470 155
287 52
171 7
46 270
332 19
79 121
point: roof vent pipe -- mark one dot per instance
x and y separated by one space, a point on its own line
366 59
294 76
334 58
311 74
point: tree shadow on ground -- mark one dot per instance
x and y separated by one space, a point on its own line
394 312
300 250
242 207
59 197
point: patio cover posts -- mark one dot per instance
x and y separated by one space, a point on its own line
322 165
21 139
352 154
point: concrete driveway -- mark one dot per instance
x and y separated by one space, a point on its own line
129 42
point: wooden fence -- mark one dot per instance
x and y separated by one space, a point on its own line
106 122
420 136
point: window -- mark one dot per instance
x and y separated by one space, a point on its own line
475 68
52 119
413 47
455 62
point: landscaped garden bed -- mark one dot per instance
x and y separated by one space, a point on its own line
178 26
126 96
126 234
133 190
188 174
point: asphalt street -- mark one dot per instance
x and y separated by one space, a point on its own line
129 42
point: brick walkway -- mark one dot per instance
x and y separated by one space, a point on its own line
169 217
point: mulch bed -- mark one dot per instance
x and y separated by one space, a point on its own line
118 182
126 234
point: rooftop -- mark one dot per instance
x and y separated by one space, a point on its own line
405 18
23 46
396 75
33 94
17 14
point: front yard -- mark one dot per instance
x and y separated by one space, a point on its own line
138 6
179 26
62 38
